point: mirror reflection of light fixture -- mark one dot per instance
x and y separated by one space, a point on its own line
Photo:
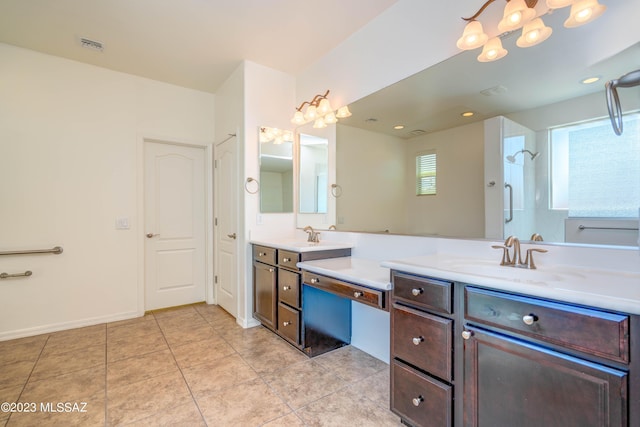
278 136
521 14
320 112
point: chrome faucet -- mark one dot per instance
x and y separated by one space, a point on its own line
516 260
314 236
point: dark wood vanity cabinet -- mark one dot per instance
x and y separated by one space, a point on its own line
514 360
277 289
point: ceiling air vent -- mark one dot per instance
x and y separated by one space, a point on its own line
417 132
91 44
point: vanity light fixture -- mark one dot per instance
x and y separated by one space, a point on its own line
320 112
278 136
521 14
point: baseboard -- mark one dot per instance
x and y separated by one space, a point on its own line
56 327
247 323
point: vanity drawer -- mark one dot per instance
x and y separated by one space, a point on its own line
288 259
423 340
418 398
596 332
424 292
369 296
289 288
289 323
265 254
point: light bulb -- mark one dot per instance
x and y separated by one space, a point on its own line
533 33
311 113
343 112
492 51
319 124
584 11
298 118
516 14
324 107
472 37
330 118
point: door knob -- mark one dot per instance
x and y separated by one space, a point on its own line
151 235
232 236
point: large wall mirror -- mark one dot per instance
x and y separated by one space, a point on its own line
276 170
515 102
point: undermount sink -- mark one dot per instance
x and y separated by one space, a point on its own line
493 269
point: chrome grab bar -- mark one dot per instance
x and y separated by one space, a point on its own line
56 250
510 202
584 227
8 276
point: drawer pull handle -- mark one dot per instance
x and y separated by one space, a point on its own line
358 294
417 400
285 323
262 254
417 291
286 288
314 280
286 259
271 270
417 340
529 319
466 335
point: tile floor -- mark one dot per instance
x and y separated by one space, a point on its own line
188 366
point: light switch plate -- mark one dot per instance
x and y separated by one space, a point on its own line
122 223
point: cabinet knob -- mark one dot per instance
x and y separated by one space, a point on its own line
261 254
314 280
417 340
271 270
417 400
417 291
286 288
286 259
285 323
466 335
358 294
529 319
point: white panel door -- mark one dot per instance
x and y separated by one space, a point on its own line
226 229
174 206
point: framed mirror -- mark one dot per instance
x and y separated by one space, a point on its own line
539 88
276 170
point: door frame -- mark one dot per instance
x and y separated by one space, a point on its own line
208 202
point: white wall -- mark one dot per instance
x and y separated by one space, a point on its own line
458 207
371 171
70 140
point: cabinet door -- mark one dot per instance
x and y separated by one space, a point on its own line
508 382
264 293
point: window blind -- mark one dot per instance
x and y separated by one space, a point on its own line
426 173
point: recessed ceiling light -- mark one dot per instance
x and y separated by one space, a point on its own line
398 127
467 114
590 80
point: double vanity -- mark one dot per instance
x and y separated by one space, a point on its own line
472 343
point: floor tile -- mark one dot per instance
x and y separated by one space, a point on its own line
135 346
15 374
118 333
375 388
199 352
221 374
247 404
139 368
75 386
346 407
270 358
303 382
76 339
147 317
290 420
350 363
143 399
248 339
189 333
22 349
180 415
62 363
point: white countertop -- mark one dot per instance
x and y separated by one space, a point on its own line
302 245
607 289
363 272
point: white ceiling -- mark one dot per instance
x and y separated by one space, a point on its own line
191 43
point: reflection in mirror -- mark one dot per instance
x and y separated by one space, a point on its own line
516 103
314 169
276 170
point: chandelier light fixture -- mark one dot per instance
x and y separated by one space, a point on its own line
319 112
521 14
278 136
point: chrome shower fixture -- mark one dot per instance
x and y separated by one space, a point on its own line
512 158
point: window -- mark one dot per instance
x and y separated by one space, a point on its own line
595 173
426 173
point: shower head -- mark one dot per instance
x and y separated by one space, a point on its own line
512 158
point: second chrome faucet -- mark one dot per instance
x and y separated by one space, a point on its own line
516 260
